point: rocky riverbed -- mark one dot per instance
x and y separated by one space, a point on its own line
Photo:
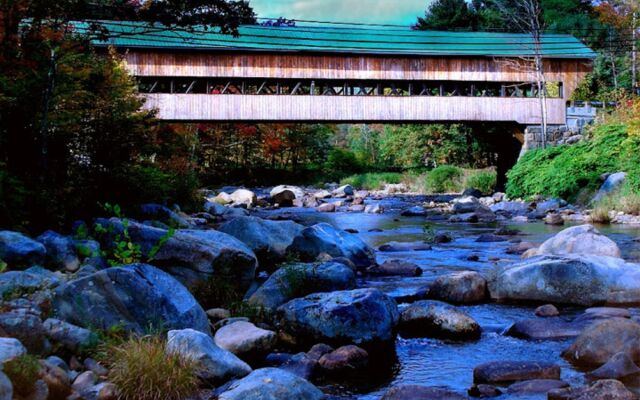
361 295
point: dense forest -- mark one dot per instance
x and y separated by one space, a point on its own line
72 133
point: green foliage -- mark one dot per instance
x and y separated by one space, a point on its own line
429 232
624 200
342 162
218 291
373 180
24 372
483 181
142 369
564 171
445 179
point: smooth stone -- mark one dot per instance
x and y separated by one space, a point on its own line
326 208
416 211
415 392
92 365
19 251
217 314
136 296
322 194
395 268
428 318
536 386
27 328
601 390
345 360
490 238
267 239
6 388
551 328
324 238
61 251
284 195
364 317
507 372
17 284
10 348
244 339
466 287
604 339
56 379
607 312
244 197
610 185
299 280
554 219
343 191
583 240
72 338
619 366
393 247
271 384
373 209
214 364
547 310
484 391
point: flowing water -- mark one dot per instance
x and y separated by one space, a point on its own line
431 362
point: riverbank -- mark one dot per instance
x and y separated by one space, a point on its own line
371 270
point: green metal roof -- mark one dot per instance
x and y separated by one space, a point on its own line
316 39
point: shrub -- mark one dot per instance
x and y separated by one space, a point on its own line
484 181
446 178
24 372
342 162
372 181
142 369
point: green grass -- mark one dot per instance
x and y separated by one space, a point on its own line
23 371
623 200
445 179
566 171
484 181
372 180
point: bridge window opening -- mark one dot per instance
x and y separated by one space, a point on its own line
293 87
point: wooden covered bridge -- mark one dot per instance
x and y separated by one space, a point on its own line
319 74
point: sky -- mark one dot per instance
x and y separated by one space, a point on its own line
368 11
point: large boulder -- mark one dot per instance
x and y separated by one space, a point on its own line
619 367
19 251
361 316
25 327
610 185
218 210
324 238
570 279
137 296
343 191
466 287
582 240
511 208
268 239
162 214
601 341
466 204
299 280
271 384
10 348
285 195
192 256
436 319
415 392
346 360
61 251
215 365
35 280
6 387
71 337
245 340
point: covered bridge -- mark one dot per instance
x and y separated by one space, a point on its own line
320 74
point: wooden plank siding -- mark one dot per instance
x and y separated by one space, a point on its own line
141 62
203 107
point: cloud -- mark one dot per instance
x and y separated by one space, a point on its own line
368 11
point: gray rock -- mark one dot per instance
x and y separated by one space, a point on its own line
466 204
416 211
581 240
138 296
10 348
415 392
16 284
324 238
610 185
362 316
72 338
602 340
61 251
553 328
193 256
25 327
244 197
245 340
373 209
548 206
601 390
428 318
271 384
512 208
343 191
215 365
322 194
466 287
19 251
547 310
395 268
619 366
344 361
554 219
395 247
269 240
219 210
570 279
536 386
300 280
164 215
6 388
326 208
507 372
285 195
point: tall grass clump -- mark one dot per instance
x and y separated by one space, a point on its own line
373 180
445 179
23 372
142 369
484 181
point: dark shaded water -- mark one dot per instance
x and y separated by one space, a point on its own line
431 362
